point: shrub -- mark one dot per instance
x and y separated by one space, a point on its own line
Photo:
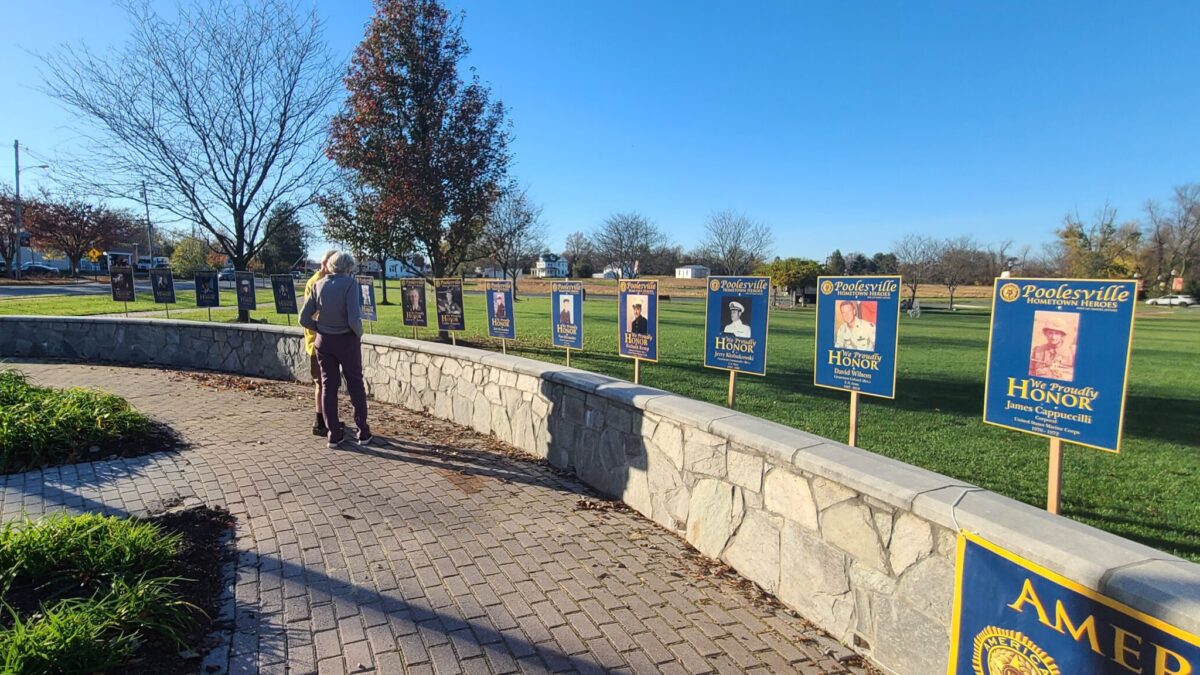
41 426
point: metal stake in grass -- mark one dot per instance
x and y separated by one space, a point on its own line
732 386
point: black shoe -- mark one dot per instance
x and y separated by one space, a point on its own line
320 430
335 444
367 440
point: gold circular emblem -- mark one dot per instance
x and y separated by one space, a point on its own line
1008 652
714 285
1010 292
826 287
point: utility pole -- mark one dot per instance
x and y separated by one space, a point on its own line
17 159
149 234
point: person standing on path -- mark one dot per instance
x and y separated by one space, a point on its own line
310 338
333 311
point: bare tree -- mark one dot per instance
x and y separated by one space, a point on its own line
960 261
577 251
734 244
514 234
1174 232
916 257
220 113
624 240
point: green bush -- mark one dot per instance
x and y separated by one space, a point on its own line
85 635
83 550
43 426
99 598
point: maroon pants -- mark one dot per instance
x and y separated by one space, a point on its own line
334 353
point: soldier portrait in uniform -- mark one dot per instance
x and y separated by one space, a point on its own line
736 311
412 301
499 309
1054 338
446 303
638 322
852 327
566 304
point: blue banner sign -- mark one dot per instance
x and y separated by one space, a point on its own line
412 302
858 329
449 294
498 296
244 287
162 284
566 314
208 289
283 289
1058 359
1014 617
637 318
120 281
366 298
735 324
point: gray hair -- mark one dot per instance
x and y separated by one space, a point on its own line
341 262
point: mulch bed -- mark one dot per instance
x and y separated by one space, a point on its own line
206 548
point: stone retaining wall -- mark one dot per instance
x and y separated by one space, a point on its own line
860 544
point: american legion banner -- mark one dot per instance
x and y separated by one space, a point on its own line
412 302
566 314
1058 359
449 294
162 285
735 324
208 289
244 289
366 298
637 319
858 328
283 290
1012 617
498 296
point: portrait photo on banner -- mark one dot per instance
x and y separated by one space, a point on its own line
854 325
637 314
499 306
736 317
1052 351
566 309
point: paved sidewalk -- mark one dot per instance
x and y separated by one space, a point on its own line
439 551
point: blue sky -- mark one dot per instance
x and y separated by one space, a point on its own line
841 124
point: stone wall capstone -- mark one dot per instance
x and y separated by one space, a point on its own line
860 544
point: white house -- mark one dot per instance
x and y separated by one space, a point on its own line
691 272
550 266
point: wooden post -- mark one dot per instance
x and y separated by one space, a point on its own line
453 340
289 318
209 313
637 371
732 386
503 346
168 309
568 357
126 309
1054 491
414 332
854 419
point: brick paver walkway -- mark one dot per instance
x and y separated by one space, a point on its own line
435 552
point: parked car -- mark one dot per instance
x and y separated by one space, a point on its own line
225 275
39 270
1173 301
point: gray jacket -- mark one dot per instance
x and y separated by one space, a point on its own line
334 307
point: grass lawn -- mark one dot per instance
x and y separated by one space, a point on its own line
1147 493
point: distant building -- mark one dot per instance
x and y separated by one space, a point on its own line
490 272
550 266
691 272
